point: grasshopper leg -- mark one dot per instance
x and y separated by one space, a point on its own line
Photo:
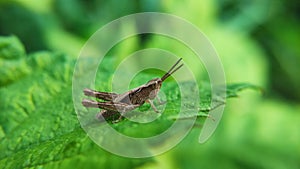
118 120
111 106
152 105
107 96
160 102
100 116
105 114
110 109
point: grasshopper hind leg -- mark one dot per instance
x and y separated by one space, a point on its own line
107 96
107 115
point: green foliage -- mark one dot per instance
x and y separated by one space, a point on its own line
17 20
38 124
257 42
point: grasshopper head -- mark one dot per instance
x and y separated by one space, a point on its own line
154 86
154 83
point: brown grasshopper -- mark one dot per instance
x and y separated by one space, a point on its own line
118 104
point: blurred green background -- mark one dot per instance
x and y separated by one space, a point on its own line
257 41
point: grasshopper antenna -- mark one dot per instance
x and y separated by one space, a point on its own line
171 71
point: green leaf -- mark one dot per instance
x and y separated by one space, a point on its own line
38 124
11 48
233 89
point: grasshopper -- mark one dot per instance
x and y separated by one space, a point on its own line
118 104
